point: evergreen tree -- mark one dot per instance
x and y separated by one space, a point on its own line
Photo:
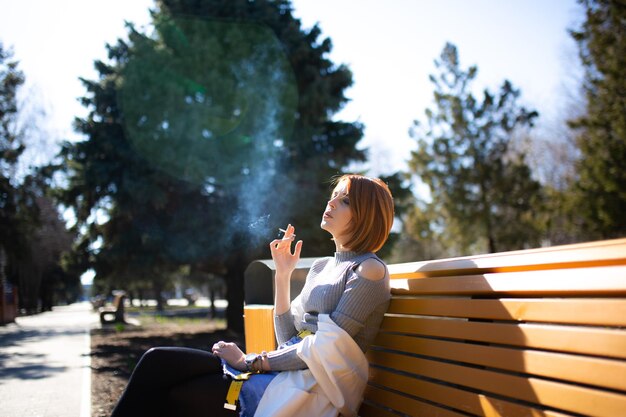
600 191
420 238
11 78
18 210
481 186
32 236
41 280
403 203
203 138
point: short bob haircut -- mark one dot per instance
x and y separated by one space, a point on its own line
372 209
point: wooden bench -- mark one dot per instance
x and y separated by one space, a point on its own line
537 332
116 312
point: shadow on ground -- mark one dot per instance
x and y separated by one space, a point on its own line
17 361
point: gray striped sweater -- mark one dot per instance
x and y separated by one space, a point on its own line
355 304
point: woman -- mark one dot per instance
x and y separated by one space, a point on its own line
348 292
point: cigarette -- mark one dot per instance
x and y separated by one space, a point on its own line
284 231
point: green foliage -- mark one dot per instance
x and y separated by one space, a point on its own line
561 217
203 138
600 191
11 79
420 238
32 236
239 107
483 195
15 205
41 279
403 203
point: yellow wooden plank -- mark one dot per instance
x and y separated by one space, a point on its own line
570 398
610 280
604 373
577 339
259 328
600 253
399 403
590 311
465 401
369 410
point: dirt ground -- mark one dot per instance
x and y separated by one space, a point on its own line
115 352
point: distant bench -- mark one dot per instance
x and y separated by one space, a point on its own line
116 312
538 332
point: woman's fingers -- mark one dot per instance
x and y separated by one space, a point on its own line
287 236
298 249
285 246
221 347
280 244
275 242
229 352
289 233
217 347
284 257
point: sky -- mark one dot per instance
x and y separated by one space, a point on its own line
389 45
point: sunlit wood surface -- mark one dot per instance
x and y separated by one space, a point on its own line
539 332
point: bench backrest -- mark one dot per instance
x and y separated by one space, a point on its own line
528 333
118 306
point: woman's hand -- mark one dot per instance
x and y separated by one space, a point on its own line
231 353
284 260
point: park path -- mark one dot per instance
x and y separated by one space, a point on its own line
45 364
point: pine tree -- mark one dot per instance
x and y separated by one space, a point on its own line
11 78
17 207
206 136
32 236
600 191
481 186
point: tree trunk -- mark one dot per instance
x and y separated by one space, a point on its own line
234 294
213 312
158 294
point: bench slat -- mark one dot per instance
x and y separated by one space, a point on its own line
566 397
574 368
466 401
369 410
609 280
538 332
598 311
406 405
606 342
259 327
608 252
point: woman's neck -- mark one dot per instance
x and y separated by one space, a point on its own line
339 247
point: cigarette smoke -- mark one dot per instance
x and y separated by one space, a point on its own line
214 103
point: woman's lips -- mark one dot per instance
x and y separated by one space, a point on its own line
327 215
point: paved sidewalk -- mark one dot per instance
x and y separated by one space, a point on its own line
45 364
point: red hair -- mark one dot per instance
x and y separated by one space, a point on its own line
371 204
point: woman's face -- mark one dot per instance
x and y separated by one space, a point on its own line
337 215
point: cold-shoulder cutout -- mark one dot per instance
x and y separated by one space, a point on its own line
371 269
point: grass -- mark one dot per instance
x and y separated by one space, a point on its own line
152 309
157 319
